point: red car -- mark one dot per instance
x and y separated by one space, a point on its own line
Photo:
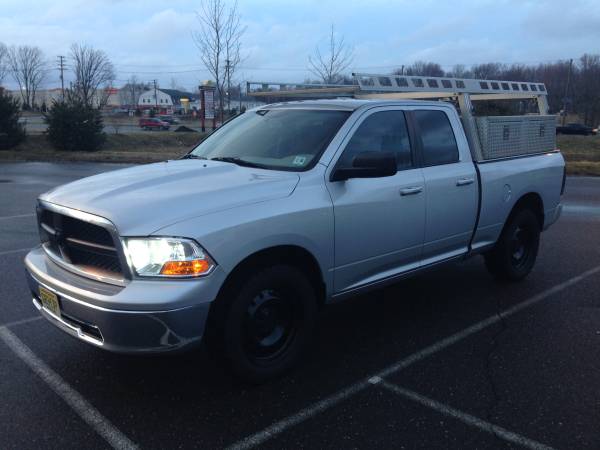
154 124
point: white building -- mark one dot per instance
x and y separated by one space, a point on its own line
148 100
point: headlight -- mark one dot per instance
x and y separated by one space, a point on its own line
167 257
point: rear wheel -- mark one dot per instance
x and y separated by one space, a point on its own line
515 253
261 329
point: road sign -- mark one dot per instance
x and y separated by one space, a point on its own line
209 103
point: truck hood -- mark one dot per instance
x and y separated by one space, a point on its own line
140 200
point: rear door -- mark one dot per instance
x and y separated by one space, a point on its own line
450 183
379 222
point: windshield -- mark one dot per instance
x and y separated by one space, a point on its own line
281 139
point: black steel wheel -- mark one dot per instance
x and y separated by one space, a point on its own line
270 325
515 253
263 322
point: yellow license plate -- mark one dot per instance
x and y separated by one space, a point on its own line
49 301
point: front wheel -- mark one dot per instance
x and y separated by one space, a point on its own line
262 326
514 255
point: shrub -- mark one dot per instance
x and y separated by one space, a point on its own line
74 126
11 131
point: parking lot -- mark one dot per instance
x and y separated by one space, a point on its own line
447 359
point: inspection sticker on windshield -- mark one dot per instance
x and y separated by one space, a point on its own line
299 160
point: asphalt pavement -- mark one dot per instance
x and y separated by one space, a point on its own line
447 359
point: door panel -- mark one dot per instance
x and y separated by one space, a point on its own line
452 198
451 188
378 231
379 222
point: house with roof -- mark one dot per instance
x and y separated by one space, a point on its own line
166 101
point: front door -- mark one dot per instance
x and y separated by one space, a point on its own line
379 222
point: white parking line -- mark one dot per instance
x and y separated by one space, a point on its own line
74 399
18 250
328 402
22 321
473 421
278 427
18 216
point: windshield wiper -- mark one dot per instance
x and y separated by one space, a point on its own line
237 160
192 156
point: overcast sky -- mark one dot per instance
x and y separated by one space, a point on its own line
152 38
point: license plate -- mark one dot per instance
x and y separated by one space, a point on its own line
49 301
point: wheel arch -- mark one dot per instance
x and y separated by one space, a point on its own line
293 255
532 201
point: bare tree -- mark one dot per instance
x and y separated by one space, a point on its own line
587 89
488 71
131 91
424 69
3 61
218 39
329 66
27 66
459 71
94 74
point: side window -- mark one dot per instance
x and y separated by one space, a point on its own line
383 131
437 137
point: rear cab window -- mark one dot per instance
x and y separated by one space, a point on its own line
438 142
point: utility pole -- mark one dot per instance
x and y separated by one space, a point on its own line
61 67
155 97
227 67
564 115
240 90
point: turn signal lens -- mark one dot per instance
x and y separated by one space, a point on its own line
179 268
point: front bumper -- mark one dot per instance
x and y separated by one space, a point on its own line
173 317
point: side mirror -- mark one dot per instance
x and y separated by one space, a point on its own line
368 165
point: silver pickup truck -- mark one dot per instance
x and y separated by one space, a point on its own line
280 211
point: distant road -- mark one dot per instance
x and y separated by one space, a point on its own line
36 125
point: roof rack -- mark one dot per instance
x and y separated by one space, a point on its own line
463 90
407 83
378 86
299 90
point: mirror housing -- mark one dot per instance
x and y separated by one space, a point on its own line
368 165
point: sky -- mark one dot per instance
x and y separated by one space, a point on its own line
152 38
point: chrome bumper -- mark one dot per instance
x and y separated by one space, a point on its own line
118 330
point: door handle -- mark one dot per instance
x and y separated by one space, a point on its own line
411 190
465 181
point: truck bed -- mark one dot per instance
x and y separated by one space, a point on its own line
503 182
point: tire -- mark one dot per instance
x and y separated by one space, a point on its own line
262 325
514 255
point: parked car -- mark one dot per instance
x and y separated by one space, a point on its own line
153 123
169 119
280 211
576 128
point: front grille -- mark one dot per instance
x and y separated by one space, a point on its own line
88 247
